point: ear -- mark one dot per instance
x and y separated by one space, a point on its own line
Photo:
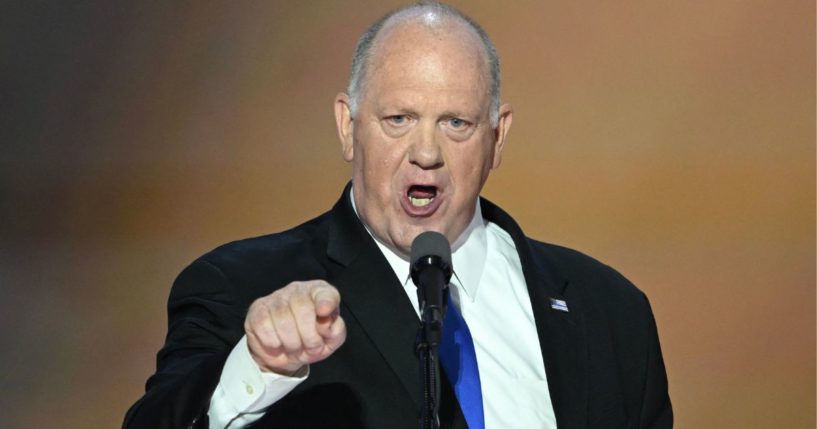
345 124
501 133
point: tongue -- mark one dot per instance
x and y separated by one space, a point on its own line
417 191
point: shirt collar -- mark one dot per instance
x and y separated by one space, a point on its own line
468 254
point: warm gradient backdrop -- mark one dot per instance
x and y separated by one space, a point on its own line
674 140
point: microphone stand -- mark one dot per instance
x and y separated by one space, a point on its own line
426 348
427 341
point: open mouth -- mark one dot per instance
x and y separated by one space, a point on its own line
421 196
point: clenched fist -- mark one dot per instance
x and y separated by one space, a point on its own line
295 326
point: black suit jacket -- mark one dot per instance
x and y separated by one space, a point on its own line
602 358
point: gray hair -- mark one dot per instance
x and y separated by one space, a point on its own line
433 12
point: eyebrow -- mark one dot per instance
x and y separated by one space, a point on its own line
460 115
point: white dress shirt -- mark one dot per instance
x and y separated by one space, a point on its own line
489 289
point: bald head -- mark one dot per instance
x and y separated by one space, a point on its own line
430 18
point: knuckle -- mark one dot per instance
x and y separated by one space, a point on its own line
303 309
268 336
277 296
297 287
285 327
253 320
312 342
279 308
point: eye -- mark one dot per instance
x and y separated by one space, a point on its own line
457 123
397 125
457 128
397 119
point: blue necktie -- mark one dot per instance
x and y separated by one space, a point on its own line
459 360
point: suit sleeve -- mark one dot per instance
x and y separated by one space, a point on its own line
656 409
205 321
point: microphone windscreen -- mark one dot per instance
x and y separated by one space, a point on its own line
431 243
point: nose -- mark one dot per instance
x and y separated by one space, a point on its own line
425 151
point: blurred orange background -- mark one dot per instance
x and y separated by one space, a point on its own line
674 141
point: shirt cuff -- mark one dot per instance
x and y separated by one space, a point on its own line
244 388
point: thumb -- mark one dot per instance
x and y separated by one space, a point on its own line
326 299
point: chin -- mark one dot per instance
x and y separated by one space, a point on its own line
419 229
405 237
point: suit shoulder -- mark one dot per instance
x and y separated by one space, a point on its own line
595 277
277 249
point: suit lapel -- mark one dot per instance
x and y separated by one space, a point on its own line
366 281
562 336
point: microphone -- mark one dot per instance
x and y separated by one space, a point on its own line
430 271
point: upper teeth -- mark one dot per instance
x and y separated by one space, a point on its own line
420 202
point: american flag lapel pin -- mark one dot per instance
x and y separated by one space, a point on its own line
558 304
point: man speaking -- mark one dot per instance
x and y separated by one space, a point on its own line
315 326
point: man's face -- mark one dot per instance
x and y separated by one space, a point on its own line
421 143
